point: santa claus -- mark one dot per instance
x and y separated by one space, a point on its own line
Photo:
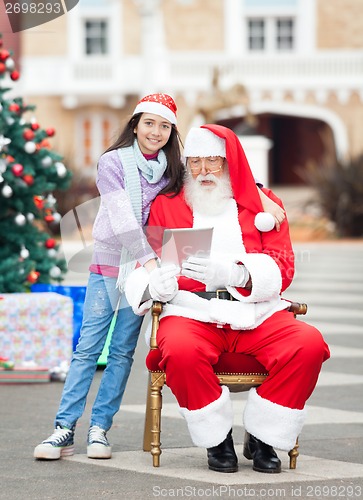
253 265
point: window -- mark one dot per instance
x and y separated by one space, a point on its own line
256 34
284 34
96 37
271 34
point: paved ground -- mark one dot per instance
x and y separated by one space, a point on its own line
330 278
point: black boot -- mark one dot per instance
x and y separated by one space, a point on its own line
263 455
223 458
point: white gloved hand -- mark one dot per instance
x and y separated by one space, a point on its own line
163 285
215 273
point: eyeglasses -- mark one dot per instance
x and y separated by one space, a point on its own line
210 164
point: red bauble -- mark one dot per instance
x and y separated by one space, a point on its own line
4 54
15 75
50 243
2 68
28 179
49 218
34 126
14 107
50 131
28 134
17 169
33 276
39 202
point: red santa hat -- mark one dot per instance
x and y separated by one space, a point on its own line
158 104
243 183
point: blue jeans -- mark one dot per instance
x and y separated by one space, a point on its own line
99 308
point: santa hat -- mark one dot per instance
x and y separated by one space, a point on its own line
201 142
243 183
158 104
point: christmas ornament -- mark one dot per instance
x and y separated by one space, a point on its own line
10 64
4 141
50 132
34 125
6 191
28 179
264 222
51 200
30 147
4 54
39 202
56 217
15 75
50 243
55 272
17 169
2 68
61 169
52 253
14 107
30 217
24 252
33 276
49 218
28 134
20 219
46 161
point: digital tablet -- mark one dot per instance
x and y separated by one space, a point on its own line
179 244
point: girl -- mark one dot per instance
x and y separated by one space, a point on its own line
144 161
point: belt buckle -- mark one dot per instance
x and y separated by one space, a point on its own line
224 291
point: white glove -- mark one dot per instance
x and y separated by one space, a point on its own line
163 285
215 273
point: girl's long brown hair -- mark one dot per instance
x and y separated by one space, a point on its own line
175 168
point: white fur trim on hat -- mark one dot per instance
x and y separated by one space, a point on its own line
202 142
210 425
156 108
264 222
273 424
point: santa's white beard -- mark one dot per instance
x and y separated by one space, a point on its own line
208 199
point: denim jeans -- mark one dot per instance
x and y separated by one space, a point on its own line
99 308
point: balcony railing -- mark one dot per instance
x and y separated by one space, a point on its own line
191 72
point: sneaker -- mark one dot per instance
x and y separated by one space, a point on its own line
98 445
59 444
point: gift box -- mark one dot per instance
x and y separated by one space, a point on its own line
36 328
24 375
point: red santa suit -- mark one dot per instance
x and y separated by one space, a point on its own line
194 331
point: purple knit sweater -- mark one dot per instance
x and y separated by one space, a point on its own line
116 225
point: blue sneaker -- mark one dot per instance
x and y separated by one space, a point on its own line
98 445
59 444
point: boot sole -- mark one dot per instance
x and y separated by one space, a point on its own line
247 455
228 469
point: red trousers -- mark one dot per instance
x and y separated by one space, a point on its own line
291 350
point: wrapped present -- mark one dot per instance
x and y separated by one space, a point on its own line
36 328
24 375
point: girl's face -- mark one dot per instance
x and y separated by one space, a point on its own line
152 133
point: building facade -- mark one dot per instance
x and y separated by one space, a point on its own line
288 70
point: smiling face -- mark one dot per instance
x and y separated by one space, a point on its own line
152 133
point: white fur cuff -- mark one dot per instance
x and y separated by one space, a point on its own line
210 425
273 424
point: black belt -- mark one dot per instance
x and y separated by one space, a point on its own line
218 294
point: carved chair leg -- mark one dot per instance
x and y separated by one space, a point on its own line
293 454
155 407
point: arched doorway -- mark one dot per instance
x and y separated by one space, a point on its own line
297 141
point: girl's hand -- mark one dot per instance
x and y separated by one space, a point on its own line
273 208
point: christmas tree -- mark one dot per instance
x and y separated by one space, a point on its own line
29 173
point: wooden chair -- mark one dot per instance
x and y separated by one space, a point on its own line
238 371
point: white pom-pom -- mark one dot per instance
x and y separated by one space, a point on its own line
264 222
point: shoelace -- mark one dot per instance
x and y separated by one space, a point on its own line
96 434
58 435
